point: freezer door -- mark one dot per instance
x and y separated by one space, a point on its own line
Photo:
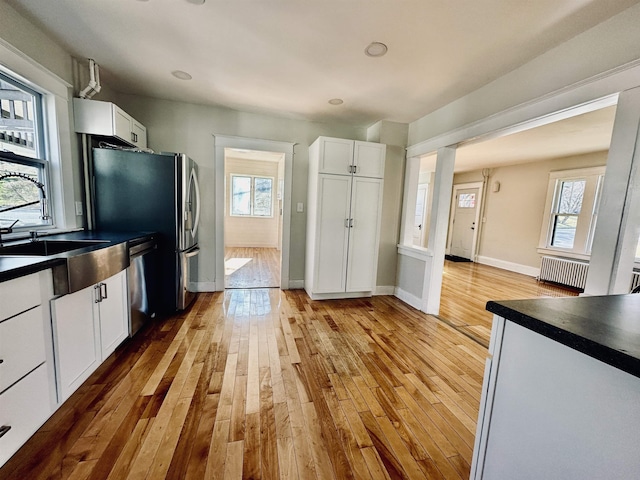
188 264
190 210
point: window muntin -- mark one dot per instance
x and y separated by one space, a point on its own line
21 132
251 196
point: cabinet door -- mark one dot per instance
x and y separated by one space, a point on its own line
368 159
332 233
366 202
336 156
122 124
138 134
114 313
76 347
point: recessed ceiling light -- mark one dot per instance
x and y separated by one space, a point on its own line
181 75
196 2
375 49
336 101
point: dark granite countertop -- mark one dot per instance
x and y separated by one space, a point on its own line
15 266
606 328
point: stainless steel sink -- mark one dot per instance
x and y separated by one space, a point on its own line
47 247
82 266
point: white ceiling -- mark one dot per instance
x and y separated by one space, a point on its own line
289 57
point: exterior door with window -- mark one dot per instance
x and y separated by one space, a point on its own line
464 223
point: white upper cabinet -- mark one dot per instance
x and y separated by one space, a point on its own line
107 119
339 156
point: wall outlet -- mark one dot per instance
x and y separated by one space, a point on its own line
79 209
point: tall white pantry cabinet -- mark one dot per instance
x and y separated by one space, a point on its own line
344 210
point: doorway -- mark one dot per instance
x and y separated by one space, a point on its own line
254 182
281 206
464 220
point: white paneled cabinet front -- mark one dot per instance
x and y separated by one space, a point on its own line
343 217
88 326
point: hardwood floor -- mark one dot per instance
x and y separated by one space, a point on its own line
467 287
249 267
267 384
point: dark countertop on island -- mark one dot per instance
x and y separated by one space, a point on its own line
14 266
606 328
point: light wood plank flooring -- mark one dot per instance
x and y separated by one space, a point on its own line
249 267
265 384
467 287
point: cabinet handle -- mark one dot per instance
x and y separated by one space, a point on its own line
134 137
346 223
4 429
98 293
102 297
351 223
350 168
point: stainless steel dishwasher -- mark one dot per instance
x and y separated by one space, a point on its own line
143 274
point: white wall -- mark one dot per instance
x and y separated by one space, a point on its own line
514 215
251 231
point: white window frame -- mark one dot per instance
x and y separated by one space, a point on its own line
587 218
59 152
39 158
252 195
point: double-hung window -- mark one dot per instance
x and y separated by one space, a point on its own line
23 169
572 210
251 196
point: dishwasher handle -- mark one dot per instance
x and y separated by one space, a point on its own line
142 248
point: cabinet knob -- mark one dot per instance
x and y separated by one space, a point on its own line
4 429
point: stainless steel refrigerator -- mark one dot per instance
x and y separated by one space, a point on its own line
136 191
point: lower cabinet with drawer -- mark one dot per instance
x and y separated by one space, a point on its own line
27 386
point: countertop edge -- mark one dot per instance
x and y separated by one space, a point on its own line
611 356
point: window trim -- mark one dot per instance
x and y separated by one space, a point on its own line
40 160
252 195
585 229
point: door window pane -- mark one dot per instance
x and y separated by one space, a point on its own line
467 200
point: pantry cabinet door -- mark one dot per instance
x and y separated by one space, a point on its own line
332 233
366 205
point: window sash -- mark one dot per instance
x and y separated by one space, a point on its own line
251 196
22 132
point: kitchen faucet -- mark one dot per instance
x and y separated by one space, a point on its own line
43 200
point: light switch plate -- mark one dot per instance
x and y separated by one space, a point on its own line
300 207
79 209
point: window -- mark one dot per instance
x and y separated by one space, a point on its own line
23 184
251 196
572 209
467 200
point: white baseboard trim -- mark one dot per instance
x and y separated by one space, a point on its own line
408 298
512 267
202 286
296 284
385 290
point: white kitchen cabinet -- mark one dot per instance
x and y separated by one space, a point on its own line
339 156
88 326
107 119
343 217
27 378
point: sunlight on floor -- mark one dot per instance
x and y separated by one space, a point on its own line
234 264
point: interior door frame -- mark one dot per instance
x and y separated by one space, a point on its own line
474 242
225 141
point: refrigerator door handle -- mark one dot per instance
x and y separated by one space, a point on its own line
192 253
196 186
